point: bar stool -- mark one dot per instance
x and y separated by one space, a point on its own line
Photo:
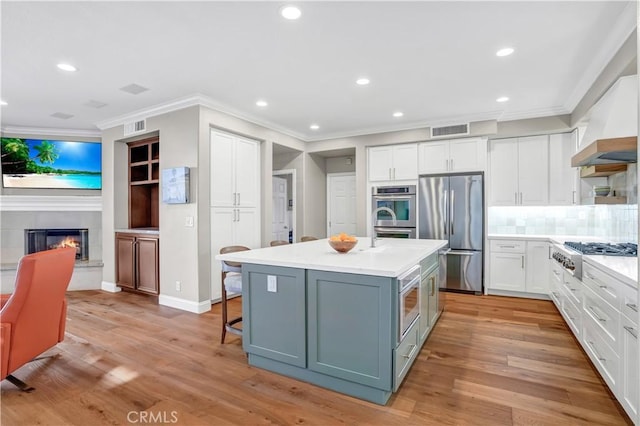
232 282
278 243
307 238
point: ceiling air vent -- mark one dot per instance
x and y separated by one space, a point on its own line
454 130
135 127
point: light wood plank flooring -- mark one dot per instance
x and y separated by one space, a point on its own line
125 360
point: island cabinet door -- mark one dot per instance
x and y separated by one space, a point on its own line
274 313
351 320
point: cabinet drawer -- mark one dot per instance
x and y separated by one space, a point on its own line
573 316
405 354
510 246
629 303
603 317
603 285
557 273
603 357
573 288
556 294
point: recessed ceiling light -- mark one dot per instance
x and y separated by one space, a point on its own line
290 12
67 67
502 99
505 51
262 103
363 81
398 114
3 103
314 127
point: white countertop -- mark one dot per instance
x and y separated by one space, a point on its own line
389 258
623 268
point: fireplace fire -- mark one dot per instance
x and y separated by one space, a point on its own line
46 239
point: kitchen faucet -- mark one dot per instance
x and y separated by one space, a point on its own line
373 222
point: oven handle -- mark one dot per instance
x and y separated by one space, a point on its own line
395 230
461 253
393 197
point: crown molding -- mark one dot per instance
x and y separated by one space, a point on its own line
67 203
617 36
534 113
42 131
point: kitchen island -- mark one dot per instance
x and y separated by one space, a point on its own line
334 319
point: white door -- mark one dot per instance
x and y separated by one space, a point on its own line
563 179
533 170
433 157
507 271
247 174
222 227
380 163
280 228
467 155
222 170
341 205
537 267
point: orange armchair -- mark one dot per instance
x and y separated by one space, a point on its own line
33 317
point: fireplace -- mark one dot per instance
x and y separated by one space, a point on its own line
36 240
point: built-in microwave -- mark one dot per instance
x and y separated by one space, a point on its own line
401 200
409 300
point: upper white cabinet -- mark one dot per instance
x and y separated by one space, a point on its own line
393 162
519 171
234 171
564 180
457 155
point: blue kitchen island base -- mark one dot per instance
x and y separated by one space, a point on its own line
367 393
353 323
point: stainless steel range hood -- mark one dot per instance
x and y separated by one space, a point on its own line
611 135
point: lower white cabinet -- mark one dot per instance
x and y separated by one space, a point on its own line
519 266
630 383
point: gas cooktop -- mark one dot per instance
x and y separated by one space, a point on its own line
607 249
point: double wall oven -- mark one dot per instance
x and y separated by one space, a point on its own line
402 201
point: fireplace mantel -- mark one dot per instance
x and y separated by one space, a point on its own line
29 203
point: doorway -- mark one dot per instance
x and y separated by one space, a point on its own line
284 205
341 203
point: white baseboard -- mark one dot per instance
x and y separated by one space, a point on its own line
496 292
185 305
110 287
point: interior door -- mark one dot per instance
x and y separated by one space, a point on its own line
280 228
341 206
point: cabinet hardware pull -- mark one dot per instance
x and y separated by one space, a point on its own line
501 246
598 317
522 257
603 286
521 198
573 197
446 164
451 165
631 331
411 351
453 208
596 352
632 306
238 199
433 286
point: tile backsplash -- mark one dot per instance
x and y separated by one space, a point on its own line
617 223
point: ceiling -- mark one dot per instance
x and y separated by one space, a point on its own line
434 61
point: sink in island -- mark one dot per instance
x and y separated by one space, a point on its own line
340 320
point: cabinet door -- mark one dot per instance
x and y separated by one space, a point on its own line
507 271
147 257
533 171
247 228
361 352
467 155
433 157
630 370
380 163
503 176
222 233
222 170
563 179
434 296
125 260
537 267
405 161
247 173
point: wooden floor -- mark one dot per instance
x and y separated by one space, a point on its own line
125 360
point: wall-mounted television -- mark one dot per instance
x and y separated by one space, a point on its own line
46 163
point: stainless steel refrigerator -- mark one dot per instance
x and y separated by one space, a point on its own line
451 207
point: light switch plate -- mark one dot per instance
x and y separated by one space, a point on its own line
188 221
272 283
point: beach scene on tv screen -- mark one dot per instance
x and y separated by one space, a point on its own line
41 163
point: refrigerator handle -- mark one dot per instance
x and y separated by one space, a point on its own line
453 209
446 213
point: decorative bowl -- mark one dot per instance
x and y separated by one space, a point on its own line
342 246
602 191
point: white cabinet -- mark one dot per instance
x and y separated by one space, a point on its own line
457 155
630 384
506 268
235 197
564 180
537 267
393 162
519 266
519 171
234 171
